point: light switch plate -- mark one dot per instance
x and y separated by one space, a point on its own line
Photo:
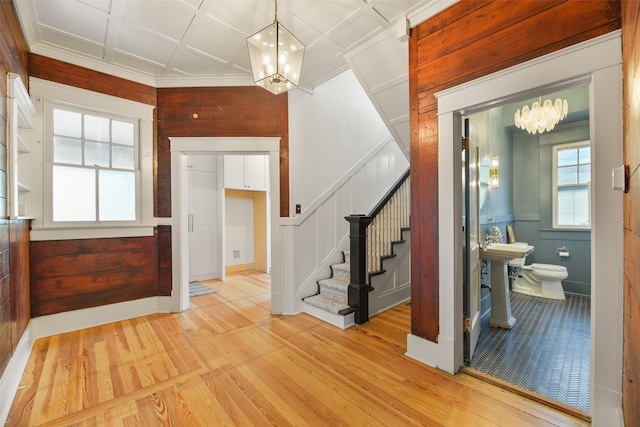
618 178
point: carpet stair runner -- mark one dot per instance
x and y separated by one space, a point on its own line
332 292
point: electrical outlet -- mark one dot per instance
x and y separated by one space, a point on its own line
236 254
298 209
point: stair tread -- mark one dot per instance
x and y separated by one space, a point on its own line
326 303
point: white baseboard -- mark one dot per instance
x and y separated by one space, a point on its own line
422 350
10 380
342 322
60 323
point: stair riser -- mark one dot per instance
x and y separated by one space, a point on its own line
341 272
334 292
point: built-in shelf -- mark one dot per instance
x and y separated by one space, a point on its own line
23 188
20 113
23 147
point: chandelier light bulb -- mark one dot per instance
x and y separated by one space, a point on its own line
542 116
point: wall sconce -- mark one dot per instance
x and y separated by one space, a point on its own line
494 180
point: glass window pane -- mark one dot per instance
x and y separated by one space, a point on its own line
96 128
96 153
585 154
585 174
67 150
67 123
567 156
573 206
117 195
74 194
122 132
123 158
567 175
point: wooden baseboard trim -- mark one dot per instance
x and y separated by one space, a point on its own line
526 393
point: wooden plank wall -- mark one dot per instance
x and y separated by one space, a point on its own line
469 40
631 79
71 274
221 111
19 267
74 274
13 315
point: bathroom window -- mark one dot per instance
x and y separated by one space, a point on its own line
572 185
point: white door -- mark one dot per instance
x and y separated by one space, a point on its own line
203 233
471 244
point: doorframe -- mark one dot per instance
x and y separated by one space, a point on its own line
599 62
181 147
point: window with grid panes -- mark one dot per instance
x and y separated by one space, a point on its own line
95 167
572 185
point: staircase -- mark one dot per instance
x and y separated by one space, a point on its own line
330 303
345 298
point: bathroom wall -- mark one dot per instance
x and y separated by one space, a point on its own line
533 215
524 196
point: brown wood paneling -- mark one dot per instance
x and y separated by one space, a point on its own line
221 111
19 264
14 59
631 316
164 260
84 78
469 40
74 274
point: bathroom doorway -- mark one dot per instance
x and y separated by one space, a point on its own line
526 184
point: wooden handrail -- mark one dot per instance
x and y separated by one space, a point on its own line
387 219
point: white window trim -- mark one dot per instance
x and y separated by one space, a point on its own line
554 183
43 91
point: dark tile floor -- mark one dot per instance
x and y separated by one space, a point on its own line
547 351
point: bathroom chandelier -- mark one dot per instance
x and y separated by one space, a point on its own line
276 57
541 116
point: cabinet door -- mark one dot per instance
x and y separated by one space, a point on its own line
255 172
203 236
234 171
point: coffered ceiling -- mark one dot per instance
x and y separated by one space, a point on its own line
167 43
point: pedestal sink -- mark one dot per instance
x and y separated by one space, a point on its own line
499 254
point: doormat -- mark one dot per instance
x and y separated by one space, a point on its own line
197 288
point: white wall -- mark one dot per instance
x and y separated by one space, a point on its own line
329 132
238 230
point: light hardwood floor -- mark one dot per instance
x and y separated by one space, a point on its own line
228 361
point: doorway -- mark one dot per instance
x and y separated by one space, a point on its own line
535 190
180 150
598 63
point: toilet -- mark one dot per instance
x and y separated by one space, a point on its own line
540 280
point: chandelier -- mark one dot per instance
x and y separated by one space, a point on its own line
276 57
541 116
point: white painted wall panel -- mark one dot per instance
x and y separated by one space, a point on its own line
327 229
329 132
307 247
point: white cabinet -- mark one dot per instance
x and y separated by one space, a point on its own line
20 113
246 172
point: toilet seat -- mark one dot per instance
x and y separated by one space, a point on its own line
549 267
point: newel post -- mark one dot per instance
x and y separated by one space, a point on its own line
358 291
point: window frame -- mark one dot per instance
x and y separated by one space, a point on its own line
49 154
49 95
555 186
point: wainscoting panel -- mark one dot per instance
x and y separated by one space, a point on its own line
577 243
321 232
